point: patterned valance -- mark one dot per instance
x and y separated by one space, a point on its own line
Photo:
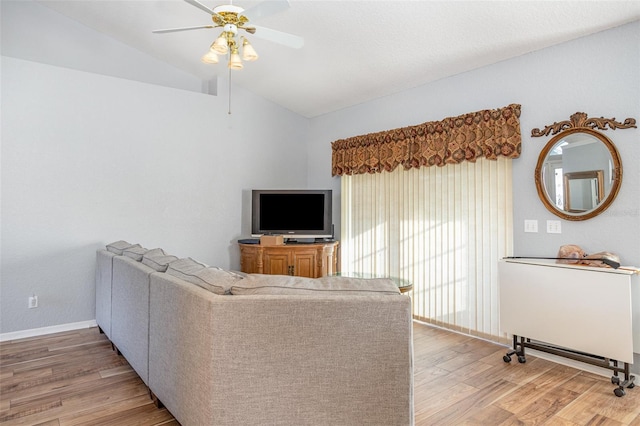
487 133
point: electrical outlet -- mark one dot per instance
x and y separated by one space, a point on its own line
33 302
554 227
530 225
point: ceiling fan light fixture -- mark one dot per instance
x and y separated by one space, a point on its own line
248 52
220 45
235 63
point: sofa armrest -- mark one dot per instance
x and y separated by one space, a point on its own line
104 269
313 360
130 312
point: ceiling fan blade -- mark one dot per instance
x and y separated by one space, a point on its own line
200 6
279 37
173 30
266 8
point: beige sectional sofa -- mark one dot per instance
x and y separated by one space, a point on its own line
223 348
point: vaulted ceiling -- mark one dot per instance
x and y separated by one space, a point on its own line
354 51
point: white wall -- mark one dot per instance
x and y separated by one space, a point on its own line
89 159
92 153
599 75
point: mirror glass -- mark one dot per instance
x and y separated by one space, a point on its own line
578 174
583 191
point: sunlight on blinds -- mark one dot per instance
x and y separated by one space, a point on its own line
442 228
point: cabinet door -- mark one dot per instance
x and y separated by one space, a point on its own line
250 260
305 263
276 263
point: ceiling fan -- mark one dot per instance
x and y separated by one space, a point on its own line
232 19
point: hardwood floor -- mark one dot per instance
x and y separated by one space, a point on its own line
72 378
462 380
75 378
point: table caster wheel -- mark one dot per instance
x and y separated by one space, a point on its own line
619 392
615 380
631 386
521 359
506 358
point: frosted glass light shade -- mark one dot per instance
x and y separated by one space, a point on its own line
235 63
248 52
220 45
210 57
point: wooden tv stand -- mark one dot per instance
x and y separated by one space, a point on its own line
303 260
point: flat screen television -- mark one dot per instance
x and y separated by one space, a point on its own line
293 213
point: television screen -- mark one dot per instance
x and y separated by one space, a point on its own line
293 213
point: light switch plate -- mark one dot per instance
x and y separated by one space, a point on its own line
530 225
554 227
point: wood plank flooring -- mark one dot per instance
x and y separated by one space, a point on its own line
75 378
72 378
460 380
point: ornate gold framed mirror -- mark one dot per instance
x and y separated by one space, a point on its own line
579 171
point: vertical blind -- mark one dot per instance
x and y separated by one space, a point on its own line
442 228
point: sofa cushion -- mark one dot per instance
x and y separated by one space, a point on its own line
136 252
284 284
119 246
155 252
186 266
213 279
157 259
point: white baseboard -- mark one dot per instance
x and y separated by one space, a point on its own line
22 334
